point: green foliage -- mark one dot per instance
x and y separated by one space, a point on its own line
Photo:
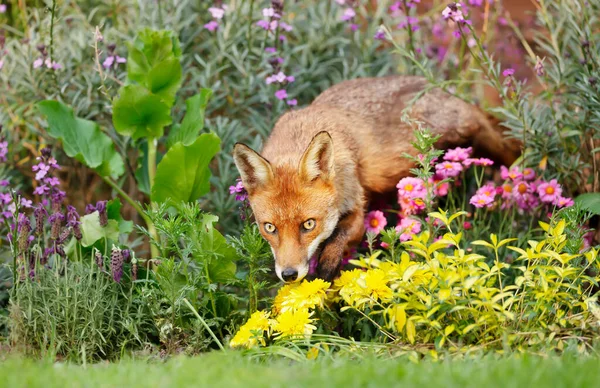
140 114
589 202
193 121
92 231
82 139
183 173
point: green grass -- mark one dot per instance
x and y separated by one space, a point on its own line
234 370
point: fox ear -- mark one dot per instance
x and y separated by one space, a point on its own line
254 169
317 161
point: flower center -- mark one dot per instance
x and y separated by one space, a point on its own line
522 188
374 222
408 187
550 190
508 188
448 166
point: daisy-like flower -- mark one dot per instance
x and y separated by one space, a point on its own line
512 174
528 174
521 189
407 228
440 188
411 188
507 190
375 221
376 285
252 331
487 190
549 192
480 201
485 162
448 169
307 295
294 323
458 154
564 202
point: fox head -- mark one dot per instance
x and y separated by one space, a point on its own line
295 204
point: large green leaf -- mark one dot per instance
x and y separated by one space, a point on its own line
138 113
183 173
589 202
193 122
164 80
92 231
82 139
221 264
113 211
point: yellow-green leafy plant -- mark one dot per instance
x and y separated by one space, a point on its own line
445 293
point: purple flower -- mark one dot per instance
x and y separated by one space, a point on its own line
452 11
353 27
101 208
41 169
270 50
41 190
539 68
281 94
40 213
211 26
476 3
4 182
264 24
2 8
116 264
52 181
239 190
379 35
508 72
292 102
56 220
89 209
290 78
348 14
5 197
38 63
216 13
286 27
26 203
108 62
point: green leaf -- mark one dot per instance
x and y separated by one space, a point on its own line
193 122
589 202
221 266
183 173
149 49
92 231
82 139
113 211
137 113
164 80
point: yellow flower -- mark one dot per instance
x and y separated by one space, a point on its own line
347 277
306 295
376 285
252 331
294 323
282 294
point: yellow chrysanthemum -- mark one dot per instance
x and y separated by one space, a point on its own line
376 285
306 295
294 323
347 277
248 335
282 294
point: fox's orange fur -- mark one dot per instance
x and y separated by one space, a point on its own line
322 162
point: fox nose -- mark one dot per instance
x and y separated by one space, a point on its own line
289 274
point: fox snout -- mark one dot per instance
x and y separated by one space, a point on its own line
291 273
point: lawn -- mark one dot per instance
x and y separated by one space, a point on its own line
234 370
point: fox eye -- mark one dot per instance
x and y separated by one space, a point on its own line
270 228
309 224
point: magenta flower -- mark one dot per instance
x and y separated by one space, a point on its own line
480 201
211 26
3 150
476 3
2 8
440 188
521 190
487 190
281 94
239 190
458 154
411 188
286 27
507 191
348 14
353 27
528 174
549 192
375 221
512 174
292 102
508 72
264 24
564 202
448 169
270 50
379 35
485 162
41 170
411 21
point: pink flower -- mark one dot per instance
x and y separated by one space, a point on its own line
411 206
480 201
264 24
290 78
286 27
440 188
216 13
375 221
507 191
528 174
487 190
467 225
521 190
281 94
549 191
292 102
408 227
211 26
379 35
448 169
353 27
38 63
108 62
411 188
2 8
270 50
513 173
458 154
564 202
41 169
479 162
349 14
452 11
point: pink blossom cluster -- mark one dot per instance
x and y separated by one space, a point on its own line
397 10
44 60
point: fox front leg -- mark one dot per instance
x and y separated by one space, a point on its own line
349 230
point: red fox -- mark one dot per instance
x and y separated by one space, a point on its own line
309 187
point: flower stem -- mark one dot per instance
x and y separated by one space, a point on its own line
203 323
